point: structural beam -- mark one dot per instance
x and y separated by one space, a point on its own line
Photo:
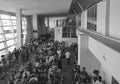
80 6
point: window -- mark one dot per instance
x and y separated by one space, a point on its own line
46 22
92 18
91 26
1 45
1 37
13 22
9 36
11 48
6 22
10 42
13 17
59 22
69 32
52 23
5 16
8 32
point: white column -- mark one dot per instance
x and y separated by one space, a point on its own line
19 27
82 46
35 26
84 19
76 18
78 49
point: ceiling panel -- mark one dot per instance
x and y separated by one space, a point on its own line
36 6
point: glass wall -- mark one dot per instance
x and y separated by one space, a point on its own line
8 32
92 18
69 32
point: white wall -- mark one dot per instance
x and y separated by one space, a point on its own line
109 58
101 17
114 18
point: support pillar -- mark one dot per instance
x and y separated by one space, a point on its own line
19 28
82 46
77 19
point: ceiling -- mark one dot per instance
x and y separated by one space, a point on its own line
77 6
30 7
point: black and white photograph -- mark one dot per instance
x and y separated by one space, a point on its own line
59 41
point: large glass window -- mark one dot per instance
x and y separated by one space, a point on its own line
1 37
69 32
13 22
52 23
6 22
1 45
10 42
46 22
11 48
8 32
3 16
91 18
13 17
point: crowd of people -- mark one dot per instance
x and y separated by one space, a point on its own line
81 76
38 62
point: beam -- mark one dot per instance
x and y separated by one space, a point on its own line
80 6
74 11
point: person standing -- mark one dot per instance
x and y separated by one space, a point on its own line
84 75
67 54
59 53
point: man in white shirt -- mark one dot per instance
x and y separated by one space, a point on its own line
67 54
